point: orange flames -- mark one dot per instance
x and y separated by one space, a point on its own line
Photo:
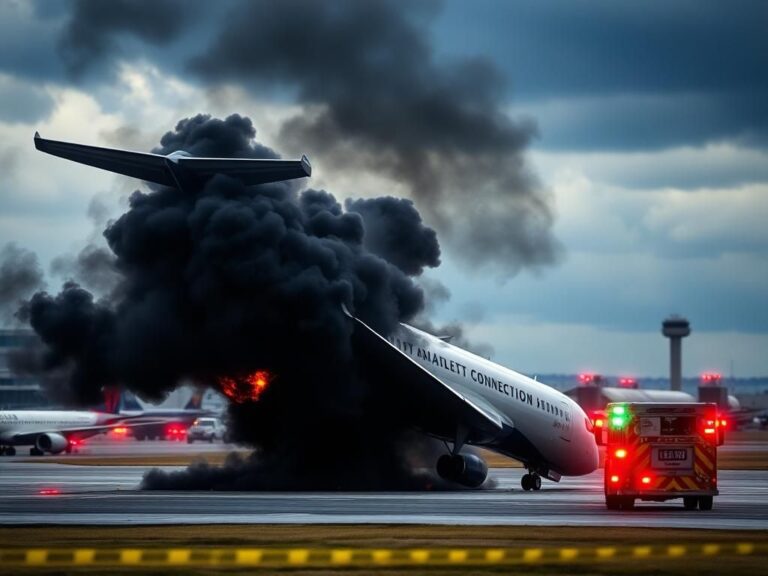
246 388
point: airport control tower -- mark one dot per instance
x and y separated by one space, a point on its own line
675 328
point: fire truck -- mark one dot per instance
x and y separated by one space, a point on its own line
660 451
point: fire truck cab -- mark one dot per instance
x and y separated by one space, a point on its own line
660 451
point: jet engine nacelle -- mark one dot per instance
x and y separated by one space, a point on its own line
51 442
467 469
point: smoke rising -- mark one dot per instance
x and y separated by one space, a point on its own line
20 276
228 280
376 98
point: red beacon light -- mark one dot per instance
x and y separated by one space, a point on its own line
628 382
49 492
645 480
615 479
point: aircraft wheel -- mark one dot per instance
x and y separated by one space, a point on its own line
536 481
35 452
10 451
2 450
613 502
690 502
526 482
705 502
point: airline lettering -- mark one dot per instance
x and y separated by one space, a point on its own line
457 368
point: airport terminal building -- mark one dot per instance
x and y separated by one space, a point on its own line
17 392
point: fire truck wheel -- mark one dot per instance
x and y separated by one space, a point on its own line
705 502
627 503
612 502
526 482
690 502
536 485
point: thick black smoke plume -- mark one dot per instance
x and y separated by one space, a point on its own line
374 97
227 280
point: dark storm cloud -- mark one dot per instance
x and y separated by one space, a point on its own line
706 58
94 30
227 280
20 276
376 98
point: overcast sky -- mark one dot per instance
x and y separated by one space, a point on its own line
637 134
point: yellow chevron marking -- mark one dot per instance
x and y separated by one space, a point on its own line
690 483
676 551
568 553
702 456
710 549
745 548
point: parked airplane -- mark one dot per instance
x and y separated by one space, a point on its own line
56 431
451 393
464 399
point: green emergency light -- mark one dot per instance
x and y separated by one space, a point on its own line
619 416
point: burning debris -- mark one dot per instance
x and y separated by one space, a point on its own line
247 388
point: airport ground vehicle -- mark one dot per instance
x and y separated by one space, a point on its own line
660 451
209 429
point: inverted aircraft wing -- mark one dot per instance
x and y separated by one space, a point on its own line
448 405
178 168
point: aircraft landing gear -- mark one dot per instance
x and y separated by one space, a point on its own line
35 452
531 481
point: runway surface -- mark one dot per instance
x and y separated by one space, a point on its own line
109 495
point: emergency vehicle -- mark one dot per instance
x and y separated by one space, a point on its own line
659 452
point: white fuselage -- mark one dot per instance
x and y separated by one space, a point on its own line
553 423
26 423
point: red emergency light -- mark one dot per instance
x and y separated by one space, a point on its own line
646 480
711 378
620 453
615 479
49 492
